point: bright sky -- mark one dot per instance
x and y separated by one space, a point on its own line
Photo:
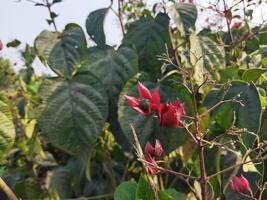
23 21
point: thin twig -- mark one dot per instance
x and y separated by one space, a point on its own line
48 5
120 17
234 166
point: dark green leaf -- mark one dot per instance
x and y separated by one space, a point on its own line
246 106
15 43
56 1
95 26
125 190
143 191
28 189
53 15
75 114
150 37
62 52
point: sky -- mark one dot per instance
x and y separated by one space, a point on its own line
23 21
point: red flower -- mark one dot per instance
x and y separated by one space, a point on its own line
169 114
150 156
240 185
1 45
146 102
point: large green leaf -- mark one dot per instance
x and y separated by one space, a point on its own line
62 52
7 129
246 105
143 190
61 182
206 56
147 127
75 114
125 190
184 16
114 68
150 37
28 189
94 25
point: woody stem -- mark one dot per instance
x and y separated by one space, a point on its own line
201 156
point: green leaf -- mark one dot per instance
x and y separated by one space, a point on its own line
253 74
264 62
7 129
246 106
95 25
28 189
125 190
206 56
61 182
75 114
225 117
143 190
56 1
184 16
114 68
150 37
14 43
62 52
171 194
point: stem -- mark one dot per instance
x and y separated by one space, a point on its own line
203 176
227 22
48 5
9 193
120 17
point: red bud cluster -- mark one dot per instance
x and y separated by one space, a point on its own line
151 153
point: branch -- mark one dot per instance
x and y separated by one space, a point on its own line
9 193
234 166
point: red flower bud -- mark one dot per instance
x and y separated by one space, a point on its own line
158 149
147 101
1 45
153 151
149 148
240 185
169 114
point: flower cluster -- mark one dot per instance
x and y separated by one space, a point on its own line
240 185
168 114
151 153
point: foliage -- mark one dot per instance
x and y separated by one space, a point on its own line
73 135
